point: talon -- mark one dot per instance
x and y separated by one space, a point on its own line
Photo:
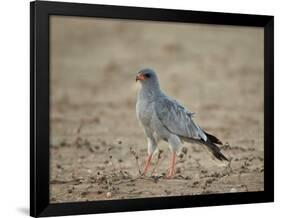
168 177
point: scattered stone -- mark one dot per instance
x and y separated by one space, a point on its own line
83 194
108 194
64 144
178 170
204 171
195 183
167 191
187 178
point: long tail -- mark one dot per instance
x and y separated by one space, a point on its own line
215 150
211 144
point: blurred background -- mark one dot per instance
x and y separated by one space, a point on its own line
215 71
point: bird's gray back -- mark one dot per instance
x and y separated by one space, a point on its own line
177 119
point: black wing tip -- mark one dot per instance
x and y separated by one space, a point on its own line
213 139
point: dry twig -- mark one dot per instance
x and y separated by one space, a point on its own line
137 159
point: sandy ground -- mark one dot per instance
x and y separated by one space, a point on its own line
97 145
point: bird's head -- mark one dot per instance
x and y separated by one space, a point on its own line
147 77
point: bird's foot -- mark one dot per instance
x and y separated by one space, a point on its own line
144 172
169 176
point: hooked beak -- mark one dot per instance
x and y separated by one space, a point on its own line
140 77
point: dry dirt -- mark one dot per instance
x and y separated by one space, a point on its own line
97 145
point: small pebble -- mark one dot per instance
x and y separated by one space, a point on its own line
167 192
108 194
195 183
83 194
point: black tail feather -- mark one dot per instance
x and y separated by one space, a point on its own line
215 151
211 145
213 138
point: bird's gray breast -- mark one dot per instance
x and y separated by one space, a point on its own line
144 112
152 126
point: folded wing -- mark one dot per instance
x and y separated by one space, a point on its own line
177 119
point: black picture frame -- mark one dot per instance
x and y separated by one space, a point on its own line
39 107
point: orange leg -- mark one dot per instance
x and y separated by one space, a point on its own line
148 160
172 166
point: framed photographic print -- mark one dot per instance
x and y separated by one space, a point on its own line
141 109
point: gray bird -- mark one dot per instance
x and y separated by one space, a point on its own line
163 118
